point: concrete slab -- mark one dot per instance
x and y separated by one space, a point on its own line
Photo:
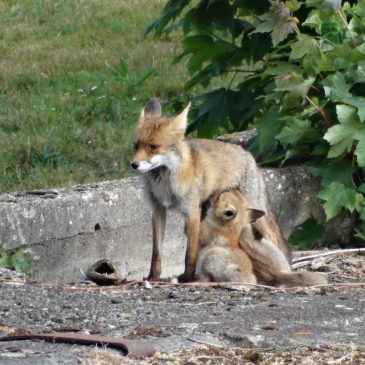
70 229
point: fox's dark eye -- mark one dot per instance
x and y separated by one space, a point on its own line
153 147
230 213
135 145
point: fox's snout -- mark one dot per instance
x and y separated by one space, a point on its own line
147 164
134 165
141 166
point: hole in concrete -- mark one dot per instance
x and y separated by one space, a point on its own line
105 269
97 227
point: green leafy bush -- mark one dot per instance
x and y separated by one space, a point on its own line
293 69
15 259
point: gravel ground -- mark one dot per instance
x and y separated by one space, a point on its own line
191 324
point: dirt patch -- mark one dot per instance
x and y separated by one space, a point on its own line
325 355
195 324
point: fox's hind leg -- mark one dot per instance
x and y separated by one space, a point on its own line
267 227
235 274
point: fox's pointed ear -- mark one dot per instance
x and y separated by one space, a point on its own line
152 109
180 122
256 214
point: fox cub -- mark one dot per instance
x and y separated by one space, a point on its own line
230 251
181 174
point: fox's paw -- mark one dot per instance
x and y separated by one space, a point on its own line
153 276
185 278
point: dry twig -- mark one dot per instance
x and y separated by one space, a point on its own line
329 253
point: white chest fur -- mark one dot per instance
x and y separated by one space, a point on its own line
164 189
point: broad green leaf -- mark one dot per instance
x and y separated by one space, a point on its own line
255 46
313 61
359 9
344 135
321 149
345 56
197 42
359 233
359 103
249 7
293 5
269 126
361 188
305 44
244 106
281 32
307 234
332 29
203 77
313 20
170 11
360 149
346 114
209 15
297 84
331 5
278 21
341 136
313 3
219 12
295 131
213 112
283 69
268 23
292 154
362 217
297 88
340 171
337 196
336 88
205 49
359 201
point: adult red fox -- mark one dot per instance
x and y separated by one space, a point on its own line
230 251
181 174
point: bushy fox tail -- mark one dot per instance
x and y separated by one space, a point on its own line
272 267
299 278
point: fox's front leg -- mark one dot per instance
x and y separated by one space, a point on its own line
192 246
158 231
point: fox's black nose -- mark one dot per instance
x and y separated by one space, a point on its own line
134 165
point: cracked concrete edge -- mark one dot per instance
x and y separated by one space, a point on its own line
70 229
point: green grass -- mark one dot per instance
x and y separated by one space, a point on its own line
68 104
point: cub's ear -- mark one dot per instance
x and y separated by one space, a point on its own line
180 122
256 214
152 109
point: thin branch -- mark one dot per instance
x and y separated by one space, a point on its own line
232 79
296 29
237 70
205 343
315 88
343 18
321 111
223 285
300 264
324 254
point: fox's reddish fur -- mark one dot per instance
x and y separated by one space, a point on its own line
181 174
221 259
231 252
